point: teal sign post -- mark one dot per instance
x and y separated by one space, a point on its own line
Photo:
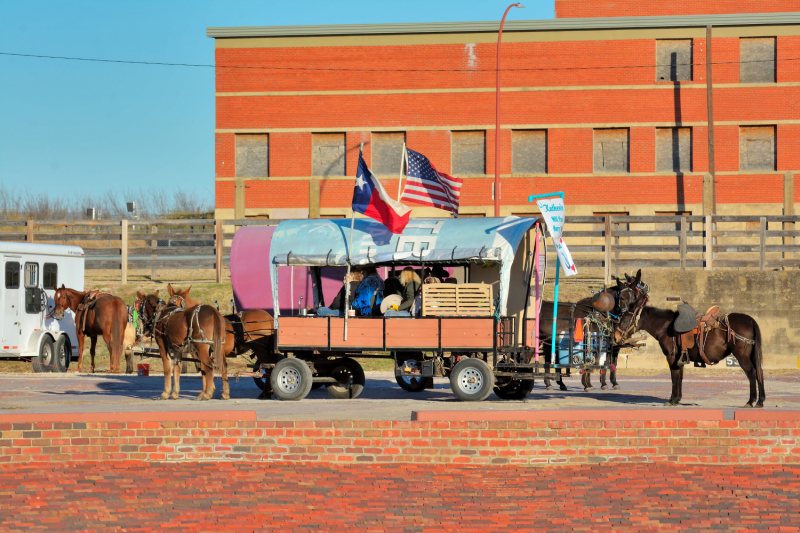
553 213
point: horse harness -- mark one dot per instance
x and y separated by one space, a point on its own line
159 323
626 335
699 335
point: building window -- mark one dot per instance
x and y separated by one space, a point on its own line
469 152
49 276
529 151
12 275
674 149
757 57
674 60
252 155
327 158
757 150
387 153
611 150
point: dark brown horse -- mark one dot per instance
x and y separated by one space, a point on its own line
96 314
737 334
580 309
248 332
198 330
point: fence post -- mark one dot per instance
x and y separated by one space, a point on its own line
683 243
788 211
762 237
153 245
124 249
608 249
218 249
709 243
29 231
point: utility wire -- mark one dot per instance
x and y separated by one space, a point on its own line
313 69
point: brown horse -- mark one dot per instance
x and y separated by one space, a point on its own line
96 314
198 330
736 334
248 332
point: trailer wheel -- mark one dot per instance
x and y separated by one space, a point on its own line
471 380
350 377
46 357
516 389
291 379
63 354
411 383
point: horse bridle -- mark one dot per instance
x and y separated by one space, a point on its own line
181 303
638 290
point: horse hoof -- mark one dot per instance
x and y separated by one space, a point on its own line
164 396
604 387
173 397
671 404
759 406
616 387
549 387
587 389
562 387
747 406
226 396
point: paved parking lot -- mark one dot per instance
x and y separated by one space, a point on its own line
382 399
398 498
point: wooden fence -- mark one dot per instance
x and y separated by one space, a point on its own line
614 243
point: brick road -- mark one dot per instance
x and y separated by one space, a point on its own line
398 498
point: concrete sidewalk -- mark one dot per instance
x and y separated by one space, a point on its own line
382 398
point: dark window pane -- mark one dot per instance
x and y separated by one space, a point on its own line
49 275
12 275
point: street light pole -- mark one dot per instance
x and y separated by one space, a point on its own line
497 121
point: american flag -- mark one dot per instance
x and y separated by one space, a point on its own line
427 186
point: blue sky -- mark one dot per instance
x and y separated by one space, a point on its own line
76 126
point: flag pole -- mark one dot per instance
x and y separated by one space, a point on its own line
347 277
400 183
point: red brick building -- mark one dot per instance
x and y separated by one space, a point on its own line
607 102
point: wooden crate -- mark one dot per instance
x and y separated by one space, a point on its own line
467 299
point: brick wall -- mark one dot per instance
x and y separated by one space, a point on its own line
638 8
527 438
573 67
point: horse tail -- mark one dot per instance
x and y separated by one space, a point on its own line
758 354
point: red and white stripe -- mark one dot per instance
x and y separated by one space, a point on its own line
444 194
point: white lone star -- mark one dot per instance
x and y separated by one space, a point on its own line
360 182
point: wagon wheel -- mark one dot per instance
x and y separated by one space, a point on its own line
411 383
471 380
515 389
349 376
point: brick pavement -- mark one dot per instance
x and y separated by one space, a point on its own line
240 497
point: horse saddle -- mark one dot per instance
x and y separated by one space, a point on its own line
702 324
687 318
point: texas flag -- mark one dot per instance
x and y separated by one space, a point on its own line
370 199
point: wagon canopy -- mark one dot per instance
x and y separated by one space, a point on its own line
424 240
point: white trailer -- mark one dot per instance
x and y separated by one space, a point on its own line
26 298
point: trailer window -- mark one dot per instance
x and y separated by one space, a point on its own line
31 275
50 275
12 275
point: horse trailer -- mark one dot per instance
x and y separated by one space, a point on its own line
27 328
